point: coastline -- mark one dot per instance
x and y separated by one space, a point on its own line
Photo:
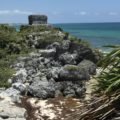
58 71
58 65
96 41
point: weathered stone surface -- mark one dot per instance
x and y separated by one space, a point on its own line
10 111
80 51
20 87
48 53
72 88
10 105
55 69
42 89
55 66
83 52
2 89
37 19
11 93
68 58
88 66
73 73
20 76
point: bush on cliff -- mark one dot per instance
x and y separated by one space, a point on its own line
26 29
7 35
5 73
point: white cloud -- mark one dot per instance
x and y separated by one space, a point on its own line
113 13
2 12
81 13
12 12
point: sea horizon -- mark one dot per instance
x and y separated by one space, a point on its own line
96 34
63 22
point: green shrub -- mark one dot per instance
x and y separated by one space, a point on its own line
2 53
5 73
48 39
27 29
7 35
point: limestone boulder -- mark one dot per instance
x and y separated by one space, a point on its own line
89 66
73 73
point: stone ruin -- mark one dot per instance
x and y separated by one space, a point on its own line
37 19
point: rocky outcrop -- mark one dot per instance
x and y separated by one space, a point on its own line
58 69
42 89
73 73
89 66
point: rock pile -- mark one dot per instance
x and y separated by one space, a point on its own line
61 68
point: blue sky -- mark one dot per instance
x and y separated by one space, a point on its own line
61 11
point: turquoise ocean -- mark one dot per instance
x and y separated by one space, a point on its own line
97 34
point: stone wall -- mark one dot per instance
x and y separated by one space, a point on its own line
37 19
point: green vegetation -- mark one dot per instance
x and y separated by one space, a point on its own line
26 29
7 35
5 72
12 45
48 39
17 43
78 41
109 79
71 68
45 35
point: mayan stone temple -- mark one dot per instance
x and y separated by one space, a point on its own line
37 19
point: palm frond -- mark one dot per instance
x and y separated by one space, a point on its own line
109 79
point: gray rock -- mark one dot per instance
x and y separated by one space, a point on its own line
83 52
10 111
11 93
53 73
4 115
66 45
60 48
20 76
42 89
71 88
88 66
18 65
67 58
2 89
69 92
73 73
48 53
47 77
55 45
20 87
